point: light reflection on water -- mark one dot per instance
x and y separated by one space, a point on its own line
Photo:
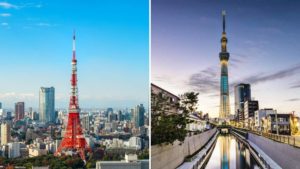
230 154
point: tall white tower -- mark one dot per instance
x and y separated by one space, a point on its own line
224 87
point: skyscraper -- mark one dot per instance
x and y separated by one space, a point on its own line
242 93
47 104
19 111
5 133
120 115
224 87
138 115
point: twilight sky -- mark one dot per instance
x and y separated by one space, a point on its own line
263 41
112 43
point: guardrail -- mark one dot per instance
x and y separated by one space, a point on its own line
261 158
291 140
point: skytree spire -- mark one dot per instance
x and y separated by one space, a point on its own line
224 38
224 14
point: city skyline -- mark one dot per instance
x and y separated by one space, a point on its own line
259 33
36 51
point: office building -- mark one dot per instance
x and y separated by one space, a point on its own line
139 115
19 111
85 122
250 107
13 150
5 133
242 93
47 104
120 116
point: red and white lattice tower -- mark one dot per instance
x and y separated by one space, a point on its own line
73 139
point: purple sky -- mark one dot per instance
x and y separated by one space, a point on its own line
262 41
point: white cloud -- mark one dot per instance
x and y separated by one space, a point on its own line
7 5
4 24
5 14
43 24
10 95
31 5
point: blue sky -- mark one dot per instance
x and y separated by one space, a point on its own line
263 41
111 43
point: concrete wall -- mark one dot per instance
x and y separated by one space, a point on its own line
285 155
171 156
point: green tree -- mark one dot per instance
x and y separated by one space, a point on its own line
144 155
168 127
28 165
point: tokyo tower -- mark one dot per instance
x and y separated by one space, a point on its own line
73 140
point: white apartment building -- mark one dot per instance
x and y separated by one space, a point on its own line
259 115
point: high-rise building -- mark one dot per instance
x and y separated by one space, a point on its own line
138 115
120 115
5 133
250 106
224 87
112 117
8 115
85 120
242 93
46 104
132 115
108 111
0 105
19 111
13 150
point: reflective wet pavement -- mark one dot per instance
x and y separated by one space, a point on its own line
229 153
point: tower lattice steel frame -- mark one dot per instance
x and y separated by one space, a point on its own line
73 139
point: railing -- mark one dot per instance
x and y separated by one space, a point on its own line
291 140
259 157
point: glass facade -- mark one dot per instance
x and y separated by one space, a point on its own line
242 93
139 115
47 104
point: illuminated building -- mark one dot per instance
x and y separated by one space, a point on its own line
242 93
